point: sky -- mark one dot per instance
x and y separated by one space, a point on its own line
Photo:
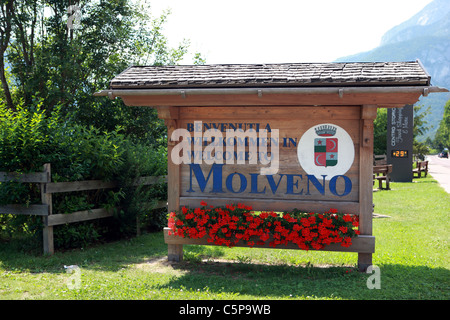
281 31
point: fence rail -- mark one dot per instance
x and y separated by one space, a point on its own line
48 188
32 210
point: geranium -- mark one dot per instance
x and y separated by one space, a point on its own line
233 223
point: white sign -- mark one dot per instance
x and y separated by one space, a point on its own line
326 150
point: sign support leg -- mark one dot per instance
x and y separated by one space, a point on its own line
368 114
175 252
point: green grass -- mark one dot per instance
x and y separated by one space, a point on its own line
411 252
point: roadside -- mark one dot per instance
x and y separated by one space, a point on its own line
439 169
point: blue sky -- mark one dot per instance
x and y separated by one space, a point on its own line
261 31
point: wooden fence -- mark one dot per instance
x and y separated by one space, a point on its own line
48 188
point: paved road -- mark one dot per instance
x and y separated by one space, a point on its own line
439 169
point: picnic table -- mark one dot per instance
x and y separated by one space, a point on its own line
380 173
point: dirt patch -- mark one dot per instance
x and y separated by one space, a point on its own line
159 265
377 215
222 267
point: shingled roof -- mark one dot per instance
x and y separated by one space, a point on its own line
409 73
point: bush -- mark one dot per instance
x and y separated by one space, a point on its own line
29 139
139 201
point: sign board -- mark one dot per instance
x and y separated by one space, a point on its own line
282 162
400 142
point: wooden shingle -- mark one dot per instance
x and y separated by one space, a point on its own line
409 73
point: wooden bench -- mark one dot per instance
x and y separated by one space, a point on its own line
421 166
381 173
379 160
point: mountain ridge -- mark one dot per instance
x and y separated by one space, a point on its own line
426 37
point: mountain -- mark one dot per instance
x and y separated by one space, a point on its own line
425 36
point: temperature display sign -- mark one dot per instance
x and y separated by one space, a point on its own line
399 153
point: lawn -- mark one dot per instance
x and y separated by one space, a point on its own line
411 253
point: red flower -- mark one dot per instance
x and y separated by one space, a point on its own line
347 218
327 222
347 242
227 226
190 216
230 207
263 215
305 222
343 229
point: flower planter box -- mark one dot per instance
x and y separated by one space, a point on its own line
361 243
238 225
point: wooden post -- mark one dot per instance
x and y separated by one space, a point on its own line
47 199
170 116
368 114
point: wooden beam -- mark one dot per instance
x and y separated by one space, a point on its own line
368 114
57 187
271 112
46 199
144 181
57 219
361 243
173 170
170 116
391 98
34 177
167 112
276 204
32 210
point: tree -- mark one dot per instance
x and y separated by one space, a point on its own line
379 132
420 124
442 139
6 8
55 65
420 128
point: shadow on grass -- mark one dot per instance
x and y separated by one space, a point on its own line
111 256
254 280
205 270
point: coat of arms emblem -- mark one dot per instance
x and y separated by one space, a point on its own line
326 147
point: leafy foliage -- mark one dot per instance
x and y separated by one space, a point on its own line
30 139
62 67
379 132
49 73
442 139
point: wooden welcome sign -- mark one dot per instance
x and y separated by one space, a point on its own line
316 166
275 137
